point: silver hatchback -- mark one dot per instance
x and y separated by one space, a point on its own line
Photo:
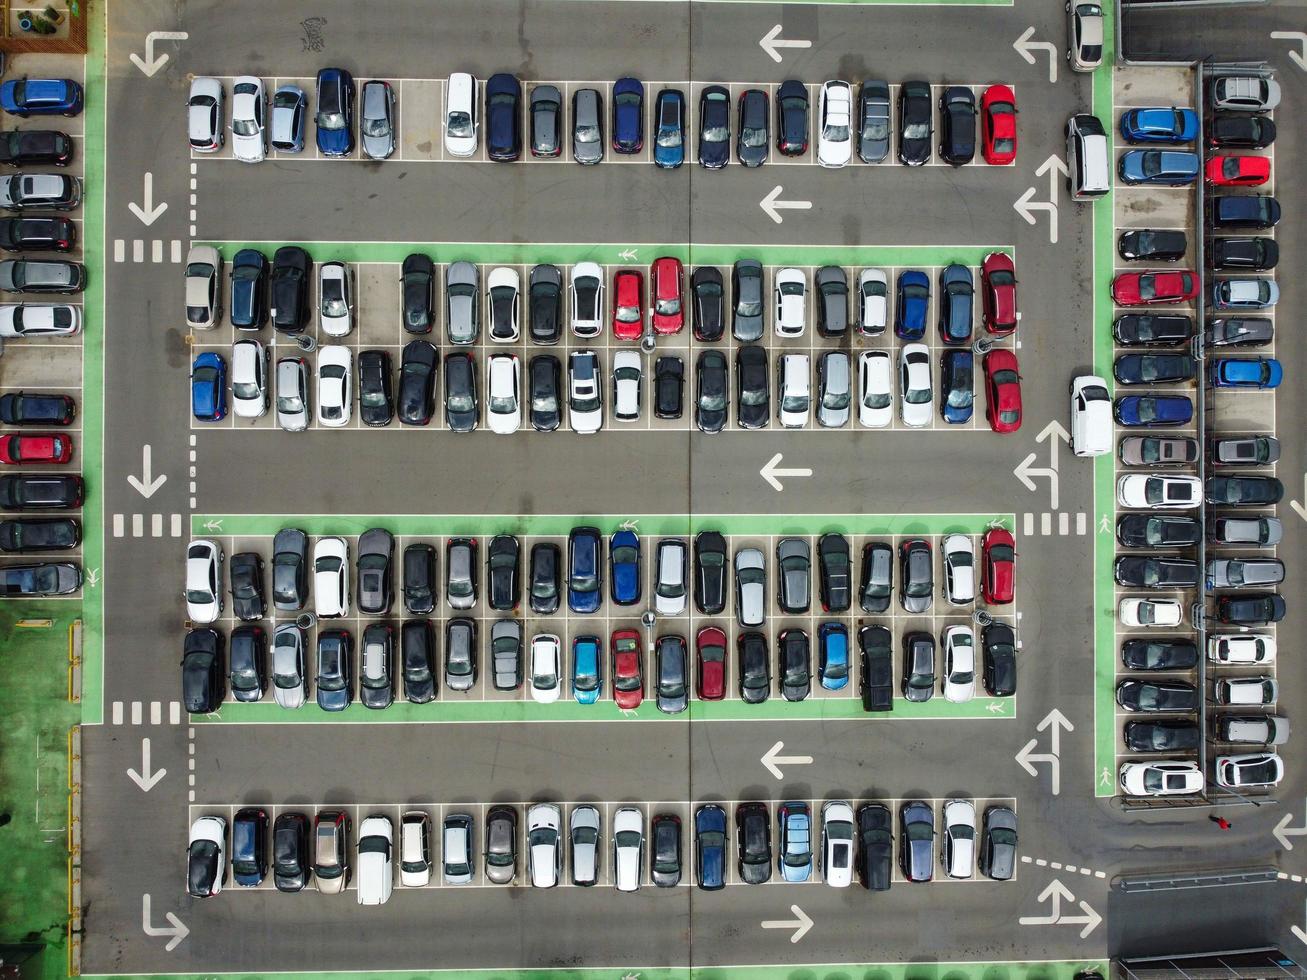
463 299
292 394
377 120
750 586
587 126
833 392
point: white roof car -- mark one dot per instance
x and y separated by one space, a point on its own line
793 395
375 872
544 847
837 843
873 301
335 299
503 291
249 379
834 136
39 320
585 399
915 394
546 675
875 389
1085 27
248 130
289 686
626 386
331 577
456 849
203 290
959 569
1247 690
207 847
1163 778
791 302
1091 416
503 404
204 595
292 394
461 114
583 833
958 845
415 849
1258 293
670 584
587 299
1252 769
1150 612
1254 93
628 848
335 397
204 115
1157 491
959 664
1241 648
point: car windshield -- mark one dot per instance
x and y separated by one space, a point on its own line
459 124
960 397
331 120
835 133
587 133
753 396
916 130
459 401
244 127
333 298
716 133
246 390
668 307
714 402
669 135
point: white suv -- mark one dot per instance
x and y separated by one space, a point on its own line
585 398
794 396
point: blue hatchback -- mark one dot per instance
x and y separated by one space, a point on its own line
669 141
624 561
587 669
1169 168
794 822
913 302
710 846
628 115
41 97
1154 410
1255 372
503 117
833 656
584 574
956 386
1159 125
335 117
209 387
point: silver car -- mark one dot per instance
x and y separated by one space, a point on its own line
833 393
670 589
584 833
290 685
377 120
203 287
506 654
1244 573
750 586
463 298
460 654
587 126
292 394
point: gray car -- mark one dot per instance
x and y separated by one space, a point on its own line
501 844
546 121
832 301
290 685
998 845
377 120
463 299
1244 573
584 833
1158 450
292 394
375 562
833 392
750 587
746 283
460 654
587 126
506 654
873 121
461 573
1240 331
794 575
1264 532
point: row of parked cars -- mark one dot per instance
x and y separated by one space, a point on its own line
838 843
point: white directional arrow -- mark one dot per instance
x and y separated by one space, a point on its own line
1055 894
177 930
1298 508
145 779
148 212
1027 758
1283 831
212 526
150 64
1089 920
1024 47
147 484
1026 470
800 924
1057 721
1054 428
1054 167
773 760
1026 206
773 206
772 469
1299 58
1300 933
772 42
628 255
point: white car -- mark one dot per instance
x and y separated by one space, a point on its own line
583 833
959 664
503 290
873 301
1252 769
335 397
837 843
374 873
958 847
626 386
834 135
544 844
203 289
915 393
1247 690
249 379
793 396
587 288
461 115
875 389
503 404
791 289
1162 778
1091 416
204 601
206 857
204 115
415 849
546 675
585 398
456 849
628 848
1150 612
289 685
335 299
1157 491
670 577
249 135
1241 648
331 577
39 320
959 569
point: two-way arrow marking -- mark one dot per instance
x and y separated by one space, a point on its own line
771 470
177 930
773 760
772 42
1024 47
148 212
1055 894
147 484
772 205
1026 206
800 923
150 64
145 779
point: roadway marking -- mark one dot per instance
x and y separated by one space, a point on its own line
1087 872
156 250
138 708
119 522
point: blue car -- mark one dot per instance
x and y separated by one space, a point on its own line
710 846
624 561
209 387
956 386
957 294
913 302
669 141
584 571
1136 410
249 289
833 655
587 670
503 117
335 116
1254 372
1159 125
41 97
1169 168
628 115
794 859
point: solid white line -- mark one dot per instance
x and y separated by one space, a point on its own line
1063 523
156 525
176 525
156 250
119 249
1045 523
176 250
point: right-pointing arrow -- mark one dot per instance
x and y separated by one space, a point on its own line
800 924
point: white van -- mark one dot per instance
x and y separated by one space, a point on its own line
376 874
1091 416
1086 157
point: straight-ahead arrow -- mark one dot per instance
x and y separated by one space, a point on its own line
150 64
148 212
772 469
773 206
145 779
773 760
147 484
772 42
1057 721
800 924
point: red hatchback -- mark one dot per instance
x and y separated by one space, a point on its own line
711 646
628 305
998 125
998 571
45 448
628 675
998 287
1145 288
1238 171
1002 391
668 312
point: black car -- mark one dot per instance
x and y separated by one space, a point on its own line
957 388
752 391
40 534
503 572
873 121
834 572
746 287
1243 491
290 563
20 408
710 565
249 289
665 851
545 372
877 649
832 289
45 578
755 667
957 125
1239 331
918 666
1151 245
545 304
503 117
37 234
460 392
30 491
546 114
376 403
288 289
247 600
875 846
1152 329
546 562
708 302
1251 211
795 658
204 680
669 386
998 646
914 123
710 391
1153 369
417 291
1161 736
1251 254
419 579
1148 572
1162 654
376 575
671 670
291 868
249 846
417 383
714 127
335 676
917 575
1157 531
1252 609
753 843
1240 130
417 643
248 661
792 118
877 582
754 138
917 840
22 147
1137 695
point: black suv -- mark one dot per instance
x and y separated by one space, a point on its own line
289 289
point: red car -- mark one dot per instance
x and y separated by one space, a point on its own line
998 569
998 125
1002 391
44 448
998 288
628 305
668 311
711 645
1238 171
628 674
1145 288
